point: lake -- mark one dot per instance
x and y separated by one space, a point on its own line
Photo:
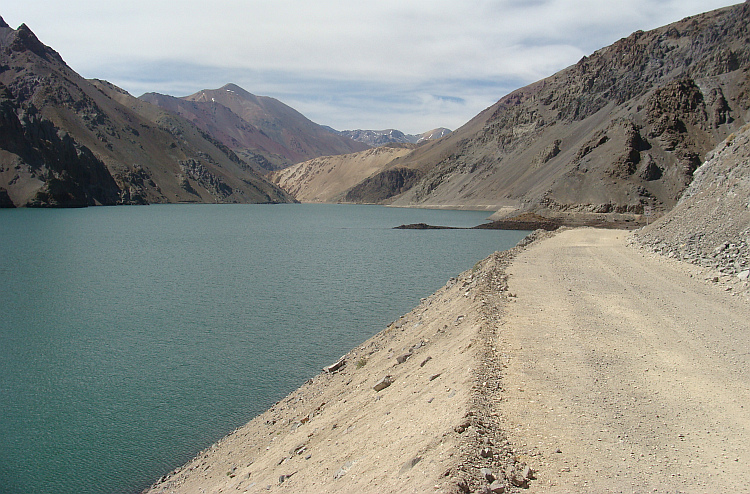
132 337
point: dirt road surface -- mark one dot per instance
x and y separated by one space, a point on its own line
626 372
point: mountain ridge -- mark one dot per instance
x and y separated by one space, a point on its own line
68 142
620 131
635 124
377 138
267 133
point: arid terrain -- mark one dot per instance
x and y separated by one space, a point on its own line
263 131
626 371
619 132
66 141
581 360
577 364
327 179
615 134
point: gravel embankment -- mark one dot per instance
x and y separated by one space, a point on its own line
710 226
625 371
410 410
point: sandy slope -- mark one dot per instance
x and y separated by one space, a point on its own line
603 368
326 179
336 434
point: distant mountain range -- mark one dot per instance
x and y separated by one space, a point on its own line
375 138
621 130
66 141
263 131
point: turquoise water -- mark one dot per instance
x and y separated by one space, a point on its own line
133 337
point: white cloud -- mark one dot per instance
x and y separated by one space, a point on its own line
416 63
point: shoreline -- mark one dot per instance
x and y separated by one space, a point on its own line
428 429
533 221
489 385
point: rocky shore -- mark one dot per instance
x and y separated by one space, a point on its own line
573 364
516 377
533 221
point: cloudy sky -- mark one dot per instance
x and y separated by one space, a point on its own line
412 65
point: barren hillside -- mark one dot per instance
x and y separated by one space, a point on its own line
710 226
327 179
622 129
262 130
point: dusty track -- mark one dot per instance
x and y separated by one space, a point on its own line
626 372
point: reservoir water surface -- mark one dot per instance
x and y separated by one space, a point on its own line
133 337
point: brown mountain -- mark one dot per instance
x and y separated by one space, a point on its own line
262 130
329 178
66 141
621 129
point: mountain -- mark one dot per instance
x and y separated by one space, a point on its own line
710 225
263 131
433 134
377 138
621 129
329 178
66 141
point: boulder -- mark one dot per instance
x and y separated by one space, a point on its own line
335 367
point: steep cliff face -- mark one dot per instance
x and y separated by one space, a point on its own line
390 182
622 129
65 141
48 161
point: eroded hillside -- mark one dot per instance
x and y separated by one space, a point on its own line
328 179
622 129
710 226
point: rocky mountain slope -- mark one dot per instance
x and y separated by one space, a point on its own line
622 129
66 141
363 177
327 179
710 226
377 138
263 131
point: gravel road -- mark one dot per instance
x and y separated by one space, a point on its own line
626 371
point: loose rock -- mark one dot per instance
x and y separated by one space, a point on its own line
487 474
383 383
497 487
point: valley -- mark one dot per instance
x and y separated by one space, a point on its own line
606 352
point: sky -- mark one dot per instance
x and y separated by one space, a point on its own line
412 65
